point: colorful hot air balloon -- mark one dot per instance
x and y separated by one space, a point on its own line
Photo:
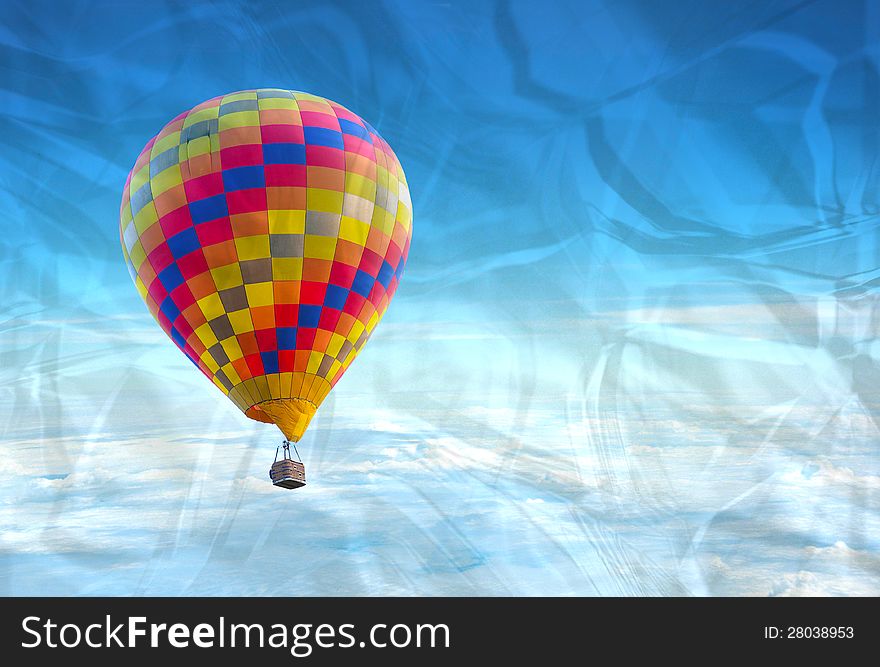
267 230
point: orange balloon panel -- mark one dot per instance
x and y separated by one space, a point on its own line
267 231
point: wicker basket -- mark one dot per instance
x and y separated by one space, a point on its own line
288 474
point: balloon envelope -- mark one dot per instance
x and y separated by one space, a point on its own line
267 230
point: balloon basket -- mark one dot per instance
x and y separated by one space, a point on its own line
287 473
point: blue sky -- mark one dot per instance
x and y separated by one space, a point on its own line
634 352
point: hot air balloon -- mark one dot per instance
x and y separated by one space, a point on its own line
267 231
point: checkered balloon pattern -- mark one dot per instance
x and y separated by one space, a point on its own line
267 231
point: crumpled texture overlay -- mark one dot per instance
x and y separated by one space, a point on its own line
634 351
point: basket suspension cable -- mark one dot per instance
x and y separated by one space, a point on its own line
284 448
289 477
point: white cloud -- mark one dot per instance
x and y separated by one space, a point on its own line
839 549
823 472
186 513
840 556
805 583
